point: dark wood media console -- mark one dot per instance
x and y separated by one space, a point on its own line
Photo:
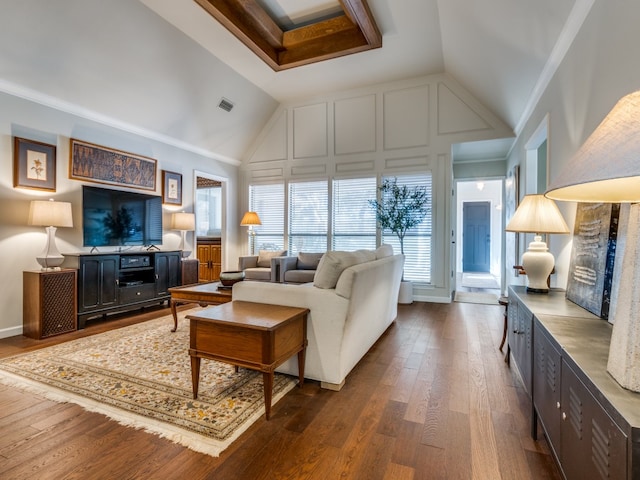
116 282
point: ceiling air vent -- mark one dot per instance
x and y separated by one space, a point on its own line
225 105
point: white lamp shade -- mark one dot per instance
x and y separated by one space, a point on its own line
537 214
47 213
250 218
183 221
607 166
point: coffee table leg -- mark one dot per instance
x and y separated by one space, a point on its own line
173 304
195 374
267 380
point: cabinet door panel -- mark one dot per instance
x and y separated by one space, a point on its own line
592 444
546 386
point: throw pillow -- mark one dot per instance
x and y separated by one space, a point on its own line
265 256
384 250
333 264
308 261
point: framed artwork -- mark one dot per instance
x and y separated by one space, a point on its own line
34 165
95 163
593 256
171 188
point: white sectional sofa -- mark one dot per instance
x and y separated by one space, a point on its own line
352 301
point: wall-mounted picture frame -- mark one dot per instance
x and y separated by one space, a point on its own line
34 164
171 188
95 163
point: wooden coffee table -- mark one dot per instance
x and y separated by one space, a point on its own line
202 294
251 335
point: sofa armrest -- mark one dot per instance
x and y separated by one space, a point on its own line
285 264
247 261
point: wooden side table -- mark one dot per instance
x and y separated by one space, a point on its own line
49 303
252 335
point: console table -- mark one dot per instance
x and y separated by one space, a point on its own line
561 352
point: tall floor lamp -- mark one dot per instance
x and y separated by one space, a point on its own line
537 214
607 169
251 219
51 215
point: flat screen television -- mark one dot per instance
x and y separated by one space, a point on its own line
116 218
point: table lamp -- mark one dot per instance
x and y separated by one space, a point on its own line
537 214
185 222
607 169
50 214
250 219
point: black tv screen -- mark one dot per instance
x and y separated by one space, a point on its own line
116 218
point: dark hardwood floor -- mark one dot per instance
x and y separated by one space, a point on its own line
433 399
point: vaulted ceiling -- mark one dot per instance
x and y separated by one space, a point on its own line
161 67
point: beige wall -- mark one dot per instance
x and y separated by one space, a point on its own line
19 243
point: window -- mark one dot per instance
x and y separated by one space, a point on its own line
308 216
417 242
354 220
268 202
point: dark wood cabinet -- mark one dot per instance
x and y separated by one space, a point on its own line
591 422
97 282
49 303
168 272
116 282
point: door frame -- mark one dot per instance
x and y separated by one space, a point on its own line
223 207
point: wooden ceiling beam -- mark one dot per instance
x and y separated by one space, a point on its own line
353 32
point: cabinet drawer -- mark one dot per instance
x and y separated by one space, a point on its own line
137 293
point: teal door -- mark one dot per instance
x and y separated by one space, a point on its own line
476 236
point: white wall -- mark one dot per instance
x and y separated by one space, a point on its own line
598 69
387 129
19 243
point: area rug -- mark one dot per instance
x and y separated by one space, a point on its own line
140 376
473 297
479 280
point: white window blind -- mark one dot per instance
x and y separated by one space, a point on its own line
308 216
268 202
417 242
354 220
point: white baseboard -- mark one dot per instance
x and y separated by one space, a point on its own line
10 332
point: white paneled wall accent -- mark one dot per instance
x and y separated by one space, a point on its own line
355 125
406 118
310 134
400 127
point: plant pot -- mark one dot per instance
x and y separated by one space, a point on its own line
406 292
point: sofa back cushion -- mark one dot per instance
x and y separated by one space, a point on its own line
308 261
332 264
265 256
384 250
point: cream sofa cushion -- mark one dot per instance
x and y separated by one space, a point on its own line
265 256
384 250
334 263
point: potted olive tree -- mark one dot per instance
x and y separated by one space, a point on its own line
400 208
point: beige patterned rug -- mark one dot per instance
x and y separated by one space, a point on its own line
140 376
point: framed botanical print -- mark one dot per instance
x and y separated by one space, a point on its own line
34 164
171 188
